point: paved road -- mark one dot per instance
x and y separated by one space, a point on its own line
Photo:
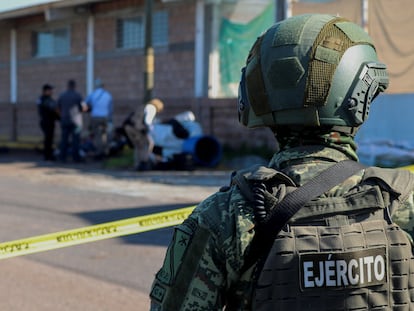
116 274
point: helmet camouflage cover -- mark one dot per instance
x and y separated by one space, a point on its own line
310 70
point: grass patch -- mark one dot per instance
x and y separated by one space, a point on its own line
123 160
230 153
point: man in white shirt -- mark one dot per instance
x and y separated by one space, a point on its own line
100 105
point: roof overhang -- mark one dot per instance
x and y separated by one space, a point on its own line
27 8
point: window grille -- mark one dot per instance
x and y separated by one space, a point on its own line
52 43
131 31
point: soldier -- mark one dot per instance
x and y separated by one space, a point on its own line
265 244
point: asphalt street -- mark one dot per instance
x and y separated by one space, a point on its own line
38 197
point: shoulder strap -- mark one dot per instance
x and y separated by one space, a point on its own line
254 173
95 97
267 230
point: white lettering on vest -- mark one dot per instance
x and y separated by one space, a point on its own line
350 269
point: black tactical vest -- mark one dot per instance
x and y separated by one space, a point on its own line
343 253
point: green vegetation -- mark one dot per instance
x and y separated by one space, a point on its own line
230 153
125 159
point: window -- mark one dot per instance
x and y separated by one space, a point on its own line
160 29
131 31
52 43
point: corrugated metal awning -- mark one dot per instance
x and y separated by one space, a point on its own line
15 5
19 8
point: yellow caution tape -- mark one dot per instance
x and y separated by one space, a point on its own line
93 233
409 167
99 232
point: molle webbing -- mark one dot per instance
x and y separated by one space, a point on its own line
361 202
280 284
254 78
328 48
279 288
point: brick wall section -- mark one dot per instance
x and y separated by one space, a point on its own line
4 82
182 15
176 78
78 37
104 41
112 6
5 44
4 66
6 124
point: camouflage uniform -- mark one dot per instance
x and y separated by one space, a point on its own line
311 79
202 267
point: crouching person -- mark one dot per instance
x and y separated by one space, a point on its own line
138 127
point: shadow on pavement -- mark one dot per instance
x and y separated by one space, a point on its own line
160 237
197 177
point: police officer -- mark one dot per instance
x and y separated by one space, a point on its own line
310 79
48 113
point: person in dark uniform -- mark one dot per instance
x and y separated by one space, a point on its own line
71 107
48 113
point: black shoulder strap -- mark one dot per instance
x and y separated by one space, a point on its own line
267 230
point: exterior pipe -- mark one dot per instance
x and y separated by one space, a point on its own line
90 54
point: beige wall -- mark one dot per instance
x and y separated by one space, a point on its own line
391 26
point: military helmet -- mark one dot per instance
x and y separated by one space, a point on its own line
310 70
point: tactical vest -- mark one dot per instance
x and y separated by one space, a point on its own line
343 253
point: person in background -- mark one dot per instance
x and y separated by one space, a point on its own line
71 107
313 230
138 127
48 113
100 105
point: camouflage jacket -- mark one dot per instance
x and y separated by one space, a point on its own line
202 267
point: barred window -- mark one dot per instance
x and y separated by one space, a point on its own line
51 43
131 31
160 28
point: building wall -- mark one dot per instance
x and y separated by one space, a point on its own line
4 64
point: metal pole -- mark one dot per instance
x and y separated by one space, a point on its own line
13 81
13 66
280 10
199 50
283 9
90 54
149 54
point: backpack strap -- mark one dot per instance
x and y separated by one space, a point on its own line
267 230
